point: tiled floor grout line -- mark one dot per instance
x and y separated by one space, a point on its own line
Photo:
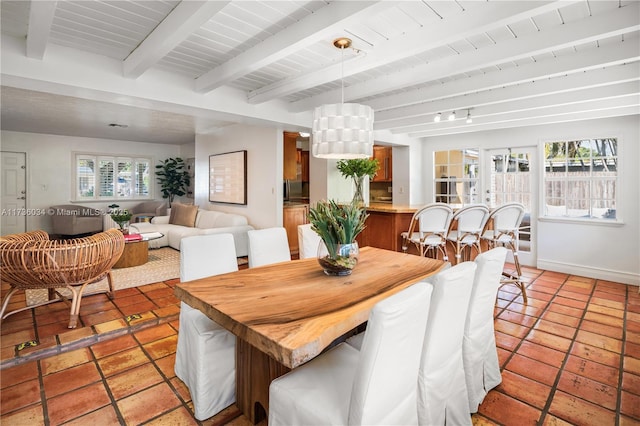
554 387
515 350
103 379
164 377
43 399
622 351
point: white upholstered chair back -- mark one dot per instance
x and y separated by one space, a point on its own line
481 366
308 241
205 354
442 392
376 385
384 389
206 255
268 246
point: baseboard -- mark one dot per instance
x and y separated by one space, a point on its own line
591 272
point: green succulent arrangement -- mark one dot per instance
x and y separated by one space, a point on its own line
121 217
337 224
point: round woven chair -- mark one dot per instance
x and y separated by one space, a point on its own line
30 261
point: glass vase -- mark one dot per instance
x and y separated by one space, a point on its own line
358 198
340 261
124 227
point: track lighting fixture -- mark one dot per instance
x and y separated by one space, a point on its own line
469 120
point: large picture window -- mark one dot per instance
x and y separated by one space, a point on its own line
456 177
101 177
580 178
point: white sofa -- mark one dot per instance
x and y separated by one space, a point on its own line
207 222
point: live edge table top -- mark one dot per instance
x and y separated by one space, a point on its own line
292 310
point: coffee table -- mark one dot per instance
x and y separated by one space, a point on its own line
136 253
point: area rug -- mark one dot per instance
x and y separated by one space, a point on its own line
163 264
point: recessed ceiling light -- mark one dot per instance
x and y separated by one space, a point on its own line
122 126
452 116
437 117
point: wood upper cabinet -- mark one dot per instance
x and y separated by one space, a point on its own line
292 216
304 159
384 155
290 165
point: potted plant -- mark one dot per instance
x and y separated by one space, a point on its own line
358 169
122 218
337 225
173 178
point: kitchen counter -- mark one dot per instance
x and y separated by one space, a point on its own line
391 208
290 204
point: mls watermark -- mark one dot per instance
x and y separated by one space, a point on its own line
53 212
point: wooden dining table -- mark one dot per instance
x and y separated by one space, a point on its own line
286 314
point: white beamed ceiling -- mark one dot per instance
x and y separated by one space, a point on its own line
171 69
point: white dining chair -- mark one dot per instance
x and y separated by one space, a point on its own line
428 230
505 223
376 385
479 354
470 222
205 355
266 246
308 241
442 390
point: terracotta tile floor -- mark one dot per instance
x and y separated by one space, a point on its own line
570 356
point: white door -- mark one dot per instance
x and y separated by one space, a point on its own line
13 187
510 176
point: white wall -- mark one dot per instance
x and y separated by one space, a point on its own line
50 167
264 171
610 251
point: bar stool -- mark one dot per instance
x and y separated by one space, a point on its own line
471 221
506 221
428 230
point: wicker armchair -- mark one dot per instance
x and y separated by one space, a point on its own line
32 261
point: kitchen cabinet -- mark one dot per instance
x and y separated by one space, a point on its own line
384 155
304 159
290 164
292 216
383 228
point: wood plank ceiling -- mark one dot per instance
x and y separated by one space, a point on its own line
501 63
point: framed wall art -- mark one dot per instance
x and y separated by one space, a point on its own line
228 178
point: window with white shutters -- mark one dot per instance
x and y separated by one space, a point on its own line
100 177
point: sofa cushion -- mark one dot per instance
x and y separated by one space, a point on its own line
207 219
182 214
213 219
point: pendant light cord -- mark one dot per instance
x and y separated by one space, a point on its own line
342 72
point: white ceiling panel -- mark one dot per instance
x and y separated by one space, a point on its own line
404 53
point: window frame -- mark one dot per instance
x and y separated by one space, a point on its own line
618 200
464 179
115 160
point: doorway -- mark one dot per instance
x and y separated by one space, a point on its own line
510 176
13 192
